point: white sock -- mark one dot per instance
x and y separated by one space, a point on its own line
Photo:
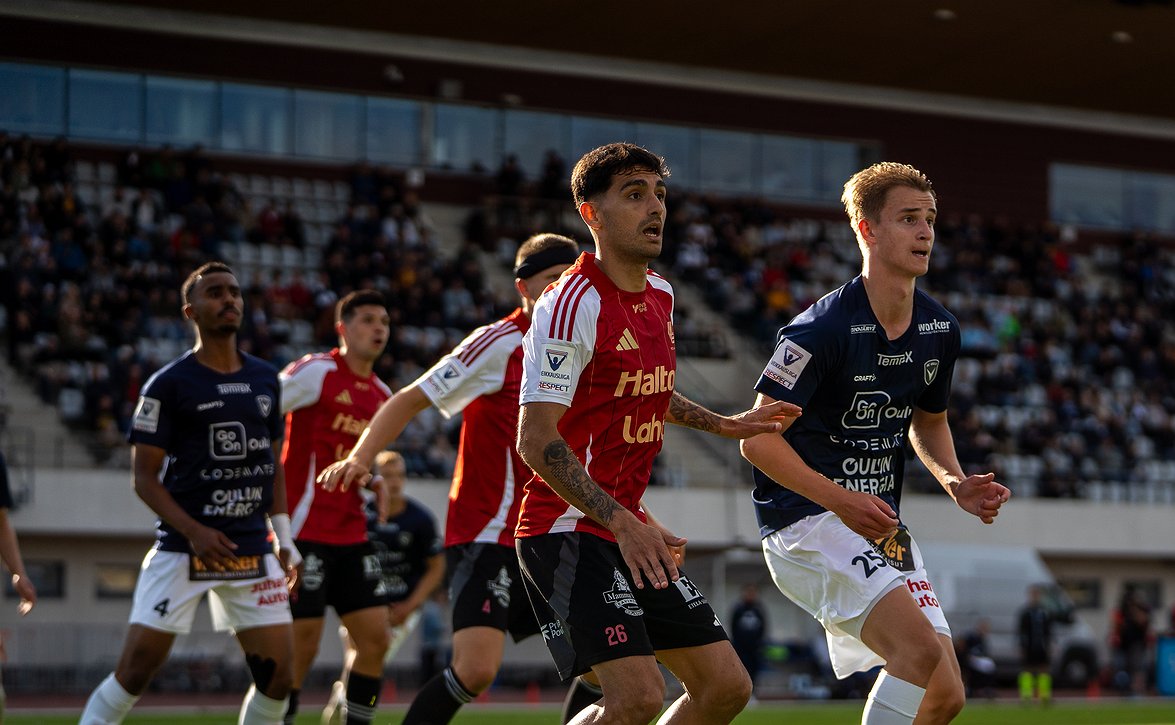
257 709
108 703
892 701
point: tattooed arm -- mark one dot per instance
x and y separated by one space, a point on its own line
542 447
766 419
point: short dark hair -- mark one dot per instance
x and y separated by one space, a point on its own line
593 173
209 268
345 308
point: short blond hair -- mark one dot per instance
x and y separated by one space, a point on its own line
865 191
384 458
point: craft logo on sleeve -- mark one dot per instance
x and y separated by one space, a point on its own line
147 415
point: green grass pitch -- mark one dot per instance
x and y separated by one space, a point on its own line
1078 712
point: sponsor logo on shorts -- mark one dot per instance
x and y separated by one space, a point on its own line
922 592
691 594
552 630
499 587
312 574
271 592
620 596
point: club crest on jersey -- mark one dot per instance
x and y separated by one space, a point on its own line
264 404
620 596
930 371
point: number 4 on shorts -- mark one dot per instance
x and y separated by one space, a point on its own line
162 606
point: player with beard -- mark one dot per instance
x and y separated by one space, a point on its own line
206 437
597 391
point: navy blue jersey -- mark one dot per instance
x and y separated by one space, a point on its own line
404 545
218 430
858 390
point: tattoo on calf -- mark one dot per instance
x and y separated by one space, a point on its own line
569 473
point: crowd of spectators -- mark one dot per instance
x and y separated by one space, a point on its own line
1068 350
91 285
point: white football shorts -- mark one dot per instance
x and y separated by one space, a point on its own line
837 576
166 598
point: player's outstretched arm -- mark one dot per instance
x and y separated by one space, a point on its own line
547 453
767 418
978 494
386 426
868 515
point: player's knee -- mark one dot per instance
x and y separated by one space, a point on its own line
634 705
723 697
374 643
271 677
475 675
943 704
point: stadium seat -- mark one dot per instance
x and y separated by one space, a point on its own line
84 171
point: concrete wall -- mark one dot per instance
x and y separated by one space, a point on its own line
88 519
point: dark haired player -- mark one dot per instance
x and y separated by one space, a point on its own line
328 398
205 439
480 379
597 392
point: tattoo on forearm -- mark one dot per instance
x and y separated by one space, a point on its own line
688 413
568 473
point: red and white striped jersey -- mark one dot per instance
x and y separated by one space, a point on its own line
326 407
609 356
481 378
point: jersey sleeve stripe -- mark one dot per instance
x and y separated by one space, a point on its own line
308 360
563 321
484 342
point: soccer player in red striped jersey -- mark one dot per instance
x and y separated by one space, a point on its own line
479 378
597 390
328 398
